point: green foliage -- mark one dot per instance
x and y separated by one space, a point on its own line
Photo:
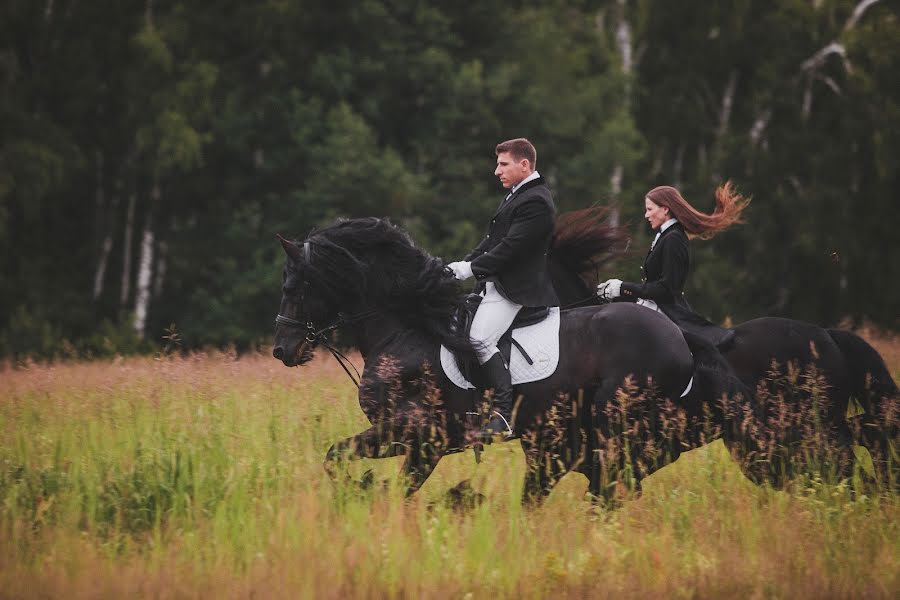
153 49
28 333
228 127
351 176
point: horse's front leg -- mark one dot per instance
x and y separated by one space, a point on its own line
374 442
544 467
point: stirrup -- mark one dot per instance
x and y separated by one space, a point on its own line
509 429
487 433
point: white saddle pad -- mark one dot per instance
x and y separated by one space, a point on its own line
540 341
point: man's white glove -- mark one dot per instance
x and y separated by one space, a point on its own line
610 289
462 269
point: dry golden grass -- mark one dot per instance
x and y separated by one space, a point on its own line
88 450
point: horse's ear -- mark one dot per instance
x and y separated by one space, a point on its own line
289 247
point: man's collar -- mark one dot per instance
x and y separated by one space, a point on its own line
534 175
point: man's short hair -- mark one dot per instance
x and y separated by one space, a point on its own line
519 148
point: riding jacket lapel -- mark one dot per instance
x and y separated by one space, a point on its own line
504 204
668 230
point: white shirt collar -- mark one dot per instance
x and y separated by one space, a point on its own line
534 175
662 228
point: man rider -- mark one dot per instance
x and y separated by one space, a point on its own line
510 265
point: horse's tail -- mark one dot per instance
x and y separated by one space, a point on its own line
713 376
586 239
866 369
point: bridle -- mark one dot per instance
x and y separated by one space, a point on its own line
315 336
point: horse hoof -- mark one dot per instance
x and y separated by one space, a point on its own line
462 497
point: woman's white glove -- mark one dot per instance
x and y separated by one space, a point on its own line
462 269
610 289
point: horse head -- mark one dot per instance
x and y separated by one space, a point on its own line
351 271
303 312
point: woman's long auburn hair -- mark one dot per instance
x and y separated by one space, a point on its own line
729 206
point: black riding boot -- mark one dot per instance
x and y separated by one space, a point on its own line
497 377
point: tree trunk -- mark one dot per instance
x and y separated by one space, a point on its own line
624 44
125 292
145 267
727 104
162 253
102 261
101 228
678 164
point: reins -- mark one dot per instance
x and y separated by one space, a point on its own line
579 302
315 338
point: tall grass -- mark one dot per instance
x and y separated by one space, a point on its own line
202 477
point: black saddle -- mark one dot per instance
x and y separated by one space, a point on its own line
468 365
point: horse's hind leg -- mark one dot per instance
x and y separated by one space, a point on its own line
609 465
421 460
553 448
544 466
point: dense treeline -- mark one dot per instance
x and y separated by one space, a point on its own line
150 151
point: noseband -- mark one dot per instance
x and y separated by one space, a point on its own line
315 337
312 336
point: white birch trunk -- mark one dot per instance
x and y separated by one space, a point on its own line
858 13
624 44
657 166
757 131
162 253
727 104
615 186
145 270
106 244
125 292
810 67
102 261
145 267
678 164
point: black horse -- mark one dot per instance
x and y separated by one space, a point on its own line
851 375
366 275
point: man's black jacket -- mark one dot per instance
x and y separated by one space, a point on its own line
513 254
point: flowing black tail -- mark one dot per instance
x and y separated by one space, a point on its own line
868 374
876 392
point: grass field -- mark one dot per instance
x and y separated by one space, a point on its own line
201 476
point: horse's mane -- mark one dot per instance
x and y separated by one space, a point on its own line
585 240
371 259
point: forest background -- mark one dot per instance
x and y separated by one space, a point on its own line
150 151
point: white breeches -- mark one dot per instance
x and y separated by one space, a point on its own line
494 316
649 304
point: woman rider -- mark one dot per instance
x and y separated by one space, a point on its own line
666 267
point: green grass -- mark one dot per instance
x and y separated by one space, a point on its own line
202 477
